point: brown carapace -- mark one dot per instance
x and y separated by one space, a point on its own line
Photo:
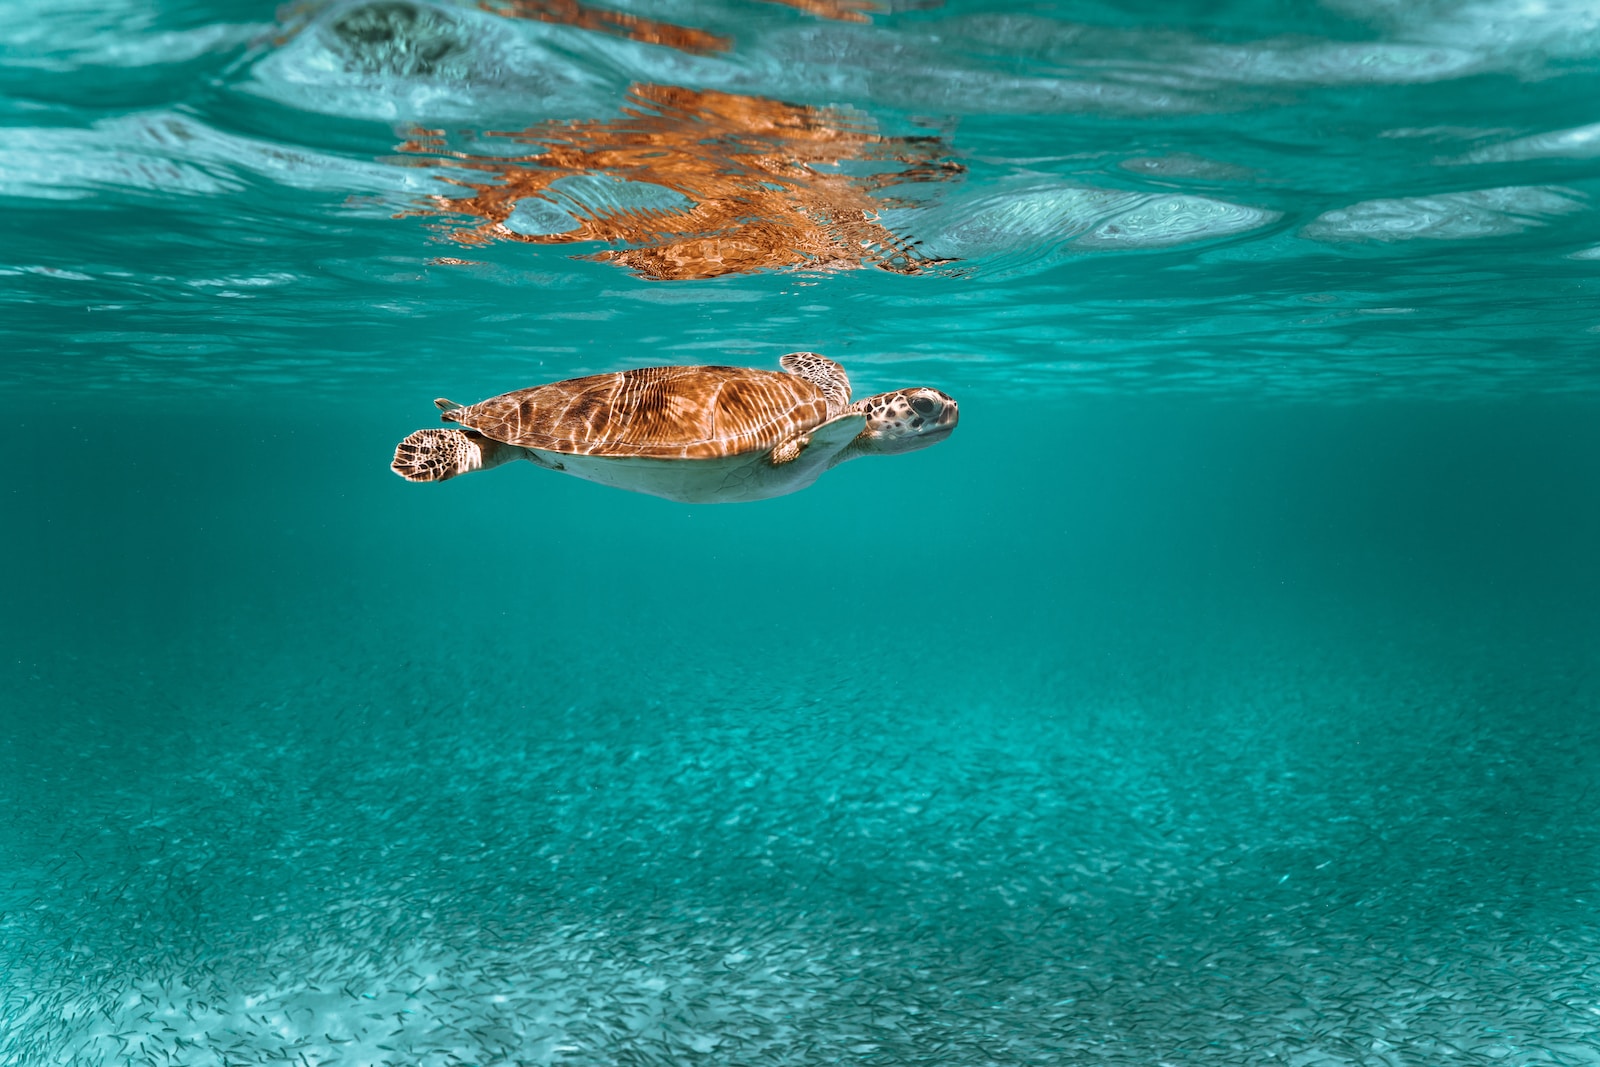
657 412
758 185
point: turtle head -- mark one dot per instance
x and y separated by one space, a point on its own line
905 420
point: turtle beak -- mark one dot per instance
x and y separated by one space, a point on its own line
934 417
938 409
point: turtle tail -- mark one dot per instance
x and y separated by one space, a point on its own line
434 455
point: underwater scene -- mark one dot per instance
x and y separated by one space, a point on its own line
1114 580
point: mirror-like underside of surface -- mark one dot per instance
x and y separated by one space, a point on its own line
700 184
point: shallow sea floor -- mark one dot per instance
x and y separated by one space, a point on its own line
1295 767
1225 690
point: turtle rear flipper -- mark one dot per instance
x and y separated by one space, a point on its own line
434 455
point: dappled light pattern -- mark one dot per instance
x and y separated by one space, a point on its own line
617 23
696 185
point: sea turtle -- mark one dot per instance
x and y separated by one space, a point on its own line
693 434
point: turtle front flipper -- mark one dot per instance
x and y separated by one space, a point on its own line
829 439
823 373
434 455
789 450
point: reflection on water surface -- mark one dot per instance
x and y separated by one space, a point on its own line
619 23
698 184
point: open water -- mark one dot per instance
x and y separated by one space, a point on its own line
1226 690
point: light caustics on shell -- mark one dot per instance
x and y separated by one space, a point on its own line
695 184
659 412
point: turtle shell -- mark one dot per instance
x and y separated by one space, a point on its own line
656 412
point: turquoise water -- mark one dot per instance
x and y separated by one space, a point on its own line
1223 691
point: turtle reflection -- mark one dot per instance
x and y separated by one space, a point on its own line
840 10
616 23
650 31
696 184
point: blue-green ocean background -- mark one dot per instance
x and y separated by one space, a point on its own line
1223 691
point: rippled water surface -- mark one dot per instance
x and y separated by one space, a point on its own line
1224 690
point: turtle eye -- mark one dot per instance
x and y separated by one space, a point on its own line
924 405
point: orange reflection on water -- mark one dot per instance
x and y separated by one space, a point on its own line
736 184
617 23
637 28
843 10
